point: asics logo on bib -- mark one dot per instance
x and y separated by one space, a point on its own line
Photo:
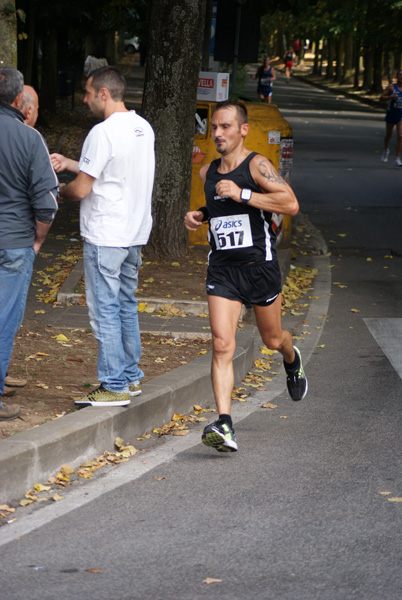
231 232
228 224
139 131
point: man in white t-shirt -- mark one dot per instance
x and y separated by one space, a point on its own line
114 184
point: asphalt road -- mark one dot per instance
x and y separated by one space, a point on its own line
306 509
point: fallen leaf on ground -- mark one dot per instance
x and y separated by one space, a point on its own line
25 502
57 497
41 488
209 580
7 508
60 338
66 470
266 351
93 571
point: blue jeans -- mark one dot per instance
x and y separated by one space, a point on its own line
111 279
16 265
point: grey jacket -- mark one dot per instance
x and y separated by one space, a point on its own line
28 184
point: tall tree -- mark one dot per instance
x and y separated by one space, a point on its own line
169 103
8 34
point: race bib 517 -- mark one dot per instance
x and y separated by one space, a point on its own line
231 232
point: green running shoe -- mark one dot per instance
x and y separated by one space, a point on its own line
134 389
220 436
297 381
102 397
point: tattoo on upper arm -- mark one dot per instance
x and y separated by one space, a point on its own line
268 171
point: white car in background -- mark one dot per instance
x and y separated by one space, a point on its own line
132 45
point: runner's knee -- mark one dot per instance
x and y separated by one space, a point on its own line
273 342
222 345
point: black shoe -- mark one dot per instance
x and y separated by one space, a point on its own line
297 381
220 436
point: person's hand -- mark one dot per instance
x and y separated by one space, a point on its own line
59 162
193 220
226 188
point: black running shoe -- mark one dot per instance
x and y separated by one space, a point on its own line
297 381
220 436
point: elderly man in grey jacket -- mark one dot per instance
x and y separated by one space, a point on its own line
28 205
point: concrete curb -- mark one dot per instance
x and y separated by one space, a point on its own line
33 456
338 91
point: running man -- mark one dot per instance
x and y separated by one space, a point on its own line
265 75
242 190
393 94
288 60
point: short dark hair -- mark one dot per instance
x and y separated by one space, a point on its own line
242 115
11 84
110 78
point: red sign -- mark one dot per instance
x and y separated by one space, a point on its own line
206 83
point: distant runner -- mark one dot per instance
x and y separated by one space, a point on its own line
265 75
393 94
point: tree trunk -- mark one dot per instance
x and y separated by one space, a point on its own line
331 56
340 53
368 68
169 104
8 37
356 83
301 51
316 55
48 84
376 87
347 76
389 60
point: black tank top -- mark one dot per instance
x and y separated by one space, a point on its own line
238 233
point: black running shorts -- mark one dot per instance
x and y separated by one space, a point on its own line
250 284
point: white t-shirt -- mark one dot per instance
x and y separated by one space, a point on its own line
119 154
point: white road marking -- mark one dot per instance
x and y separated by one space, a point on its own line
388 335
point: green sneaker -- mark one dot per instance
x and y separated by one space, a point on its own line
297 381
220 436
134 389
102 397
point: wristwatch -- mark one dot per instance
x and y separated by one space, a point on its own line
245 195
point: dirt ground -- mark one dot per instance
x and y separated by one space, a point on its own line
60 364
